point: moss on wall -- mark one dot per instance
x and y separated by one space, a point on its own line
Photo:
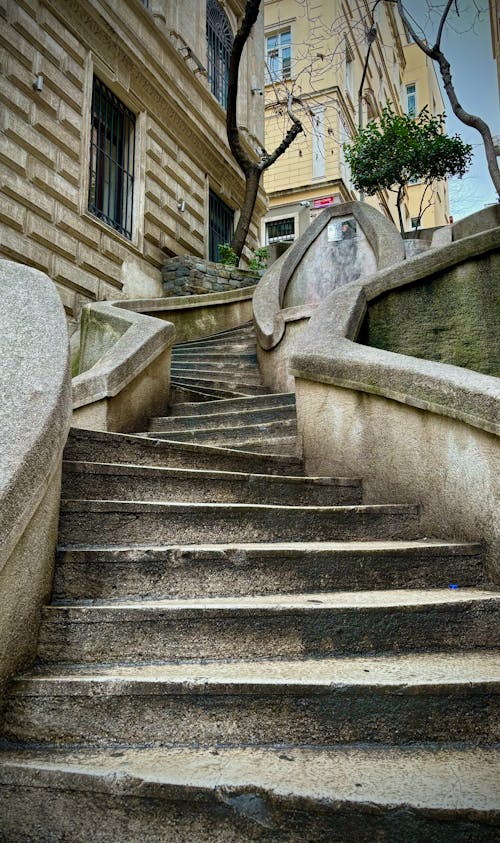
451 318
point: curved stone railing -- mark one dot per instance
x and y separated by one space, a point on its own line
269 310
128 374
413 428
279 327
198 316
35 415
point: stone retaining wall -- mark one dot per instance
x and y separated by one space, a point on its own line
187 276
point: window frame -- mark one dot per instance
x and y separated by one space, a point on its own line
219 41
409 94
215 236
112 162
280 74
287 238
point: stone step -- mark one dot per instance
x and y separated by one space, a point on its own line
179 395
236 418
242 375
119 522
320 625
235 405
227 387
319 702
184 571
192 356
236 346
271 795
92 480
204 391
247 434
274 443
247 329
96 445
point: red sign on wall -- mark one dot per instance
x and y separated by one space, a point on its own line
324 202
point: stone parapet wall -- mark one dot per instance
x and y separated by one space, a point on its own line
187 276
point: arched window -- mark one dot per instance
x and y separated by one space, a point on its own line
219 45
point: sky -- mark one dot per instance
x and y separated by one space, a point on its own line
467 47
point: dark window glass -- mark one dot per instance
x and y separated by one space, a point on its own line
219 46
280 230
220 224
112 151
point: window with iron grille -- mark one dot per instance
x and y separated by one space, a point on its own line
278 56
112 151
219 46
220 225
280 230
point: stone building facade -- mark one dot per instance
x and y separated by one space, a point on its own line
113 152
321 54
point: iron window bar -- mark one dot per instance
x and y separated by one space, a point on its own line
220 225
112 155
219 46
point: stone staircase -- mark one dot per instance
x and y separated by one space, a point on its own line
237 652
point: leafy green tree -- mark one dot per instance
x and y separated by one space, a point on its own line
399 149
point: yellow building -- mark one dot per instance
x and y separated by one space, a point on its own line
113 150
318 56
421 88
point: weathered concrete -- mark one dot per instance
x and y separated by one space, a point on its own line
241 569
127 521
422 698
313 625
451 318
34 421
265 795
94 480
128 378
198 316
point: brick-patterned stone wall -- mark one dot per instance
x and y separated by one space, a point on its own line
188 276
45 143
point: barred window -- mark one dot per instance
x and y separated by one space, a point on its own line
280 230
220 225
112 152
219 46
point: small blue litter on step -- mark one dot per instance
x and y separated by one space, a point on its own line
453 585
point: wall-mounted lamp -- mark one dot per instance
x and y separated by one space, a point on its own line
38 83
181 204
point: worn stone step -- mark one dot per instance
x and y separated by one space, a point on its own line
270 795
222 385
92 480
407 698
243 569
235 405
230 435
117 522
96 445
276 626
236 418
245 330
225 374
206 391
215 357
273 443
179 395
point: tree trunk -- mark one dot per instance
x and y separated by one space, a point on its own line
252 181
399 198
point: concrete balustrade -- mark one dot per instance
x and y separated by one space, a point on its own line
415 429
35 414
